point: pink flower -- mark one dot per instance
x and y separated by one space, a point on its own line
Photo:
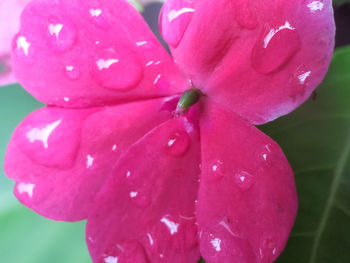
9 24
156 186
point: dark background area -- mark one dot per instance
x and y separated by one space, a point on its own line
342 20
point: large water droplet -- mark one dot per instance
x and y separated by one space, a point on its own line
61 35
117 69
244 180
217 170
23 50
275 47
72 72
244 15
178 143
175 19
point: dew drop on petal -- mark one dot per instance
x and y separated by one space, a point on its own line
72 72
217 170
100 18
175 19
42 134
117 69
275 47
244 180
299 83
61 35
23 50
110 259
172 226
141 198
125 252
26 188
178 143
315 6
268 250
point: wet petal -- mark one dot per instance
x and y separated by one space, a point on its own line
247 199
260 58
93 52
10 11
60 158
145 212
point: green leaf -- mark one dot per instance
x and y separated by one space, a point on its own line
316 140
339 2
25 236
136 4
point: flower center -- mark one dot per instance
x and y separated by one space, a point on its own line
188 99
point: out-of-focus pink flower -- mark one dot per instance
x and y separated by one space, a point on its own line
157 186
10 11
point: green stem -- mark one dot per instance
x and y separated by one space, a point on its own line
188 99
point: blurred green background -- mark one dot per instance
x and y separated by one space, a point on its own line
315 138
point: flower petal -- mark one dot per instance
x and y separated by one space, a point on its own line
10 11
92 52
145 212
247 199
261 58
60 158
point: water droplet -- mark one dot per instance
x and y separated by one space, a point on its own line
72 72
175 19
216 243
126 252
315 6
89 161
42 134
172 226
161 82
26 188
275 47
178 143
244 15
120 70
133 194
61 35
268 250
100 18
244 180
217 170
141 198
177 232
299 83
23 50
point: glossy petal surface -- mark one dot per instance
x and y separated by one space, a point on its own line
10 11
247 199
60 158
260 58
145 212
90 53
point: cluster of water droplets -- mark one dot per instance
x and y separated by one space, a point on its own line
115 66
